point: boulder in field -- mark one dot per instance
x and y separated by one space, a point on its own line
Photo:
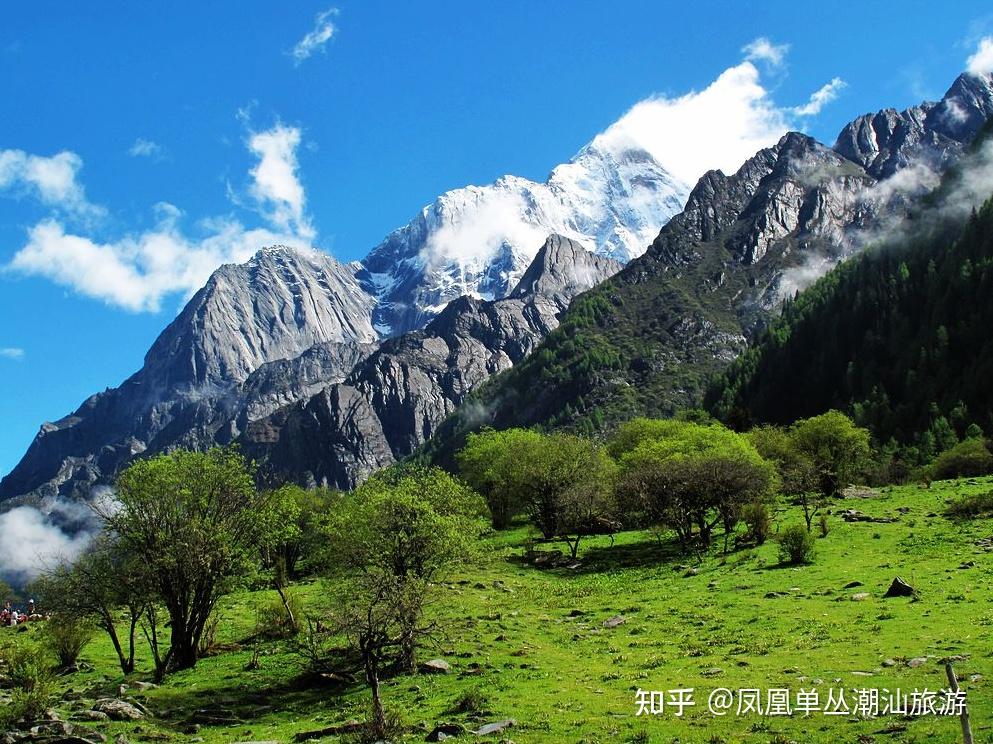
899 588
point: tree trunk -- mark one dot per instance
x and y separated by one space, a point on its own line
108 625
286 606
135 617
378 714
183 647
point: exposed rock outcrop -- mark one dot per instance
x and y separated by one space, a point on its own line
392 402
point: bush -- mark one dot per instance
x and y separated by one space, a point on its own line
473 700
796 545
756 516
823 524
968 458
970 507
27 669
272 620
65 636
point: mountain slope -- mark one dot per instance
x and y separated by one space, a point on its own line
648 339
898 337
275 306
394 399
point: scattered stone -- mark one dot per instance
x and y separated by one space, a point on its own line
90 715
691 572
143 686
852 584
889 663
967 564
860 596
773 595
435 666
712 672
118 710
862 674
975 678
859 492
614 621
899 588
576 613
446 731
917 661
854 515
495 728
50 729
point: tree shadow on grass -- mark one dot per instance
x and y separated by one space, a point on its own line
239 699
605 558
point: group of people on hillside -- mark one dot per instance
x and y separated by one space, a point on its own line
10 615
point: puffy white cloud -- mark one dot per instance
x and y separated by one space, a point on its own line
52 180
11 352
718 127
143 148
820 98
316 38
761 49
980 62
137 271
276 186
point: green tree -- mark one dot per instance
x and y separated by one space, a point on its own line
407 524
798 477
563 481
689 477
490 463
190 519
104 583
837 448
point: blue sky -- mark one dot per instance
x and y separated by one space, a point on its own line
182 133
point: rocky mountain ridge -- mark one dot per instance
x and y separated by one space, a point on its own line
392 402
647 340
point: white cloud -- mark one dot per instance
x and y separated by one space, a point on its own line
143 148
276 187
52 180
718 127
316 38
980 62
761 49
138 271
11 352
821 97
31 541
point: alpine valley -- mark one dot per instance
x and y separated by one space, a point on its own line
611 289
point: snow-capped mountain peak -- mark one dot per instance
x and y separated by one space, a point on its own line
479 240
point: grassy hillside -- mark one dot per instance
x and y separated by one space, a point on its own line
529 643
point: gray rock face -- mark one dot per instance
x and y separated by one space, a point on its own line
393 401
209 371
934 132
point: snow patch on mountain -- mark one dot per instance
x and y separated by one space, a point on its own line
479 240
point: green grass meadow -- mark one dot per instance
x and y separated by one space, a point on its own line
531 644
